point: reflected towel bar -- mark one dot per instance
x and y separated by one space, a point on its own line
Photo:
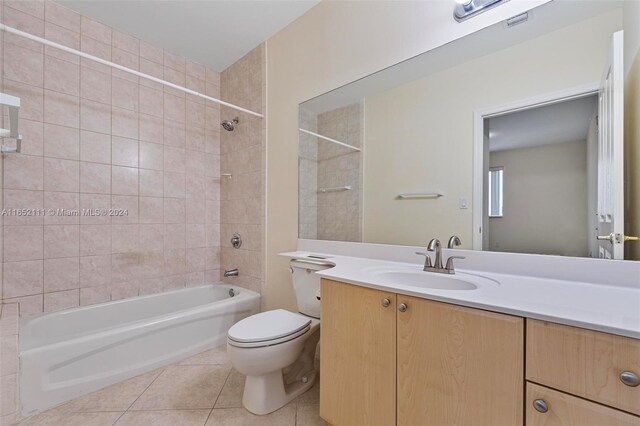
336 189
417 195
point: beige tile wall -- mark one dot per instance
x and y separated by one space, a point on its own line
96 138
308 177
243 156
333 216
340 213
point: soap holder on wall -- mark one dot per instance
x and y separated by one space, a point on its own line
13 104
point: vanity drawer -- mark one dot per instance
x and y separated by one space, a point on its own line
563 409
584 362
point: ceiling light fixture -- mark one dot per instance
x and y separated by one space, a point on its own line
466 9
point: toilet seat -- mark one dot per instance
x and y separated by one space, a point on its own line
268 328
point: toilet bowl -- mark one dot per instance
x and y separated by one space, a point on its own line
276 349
278 366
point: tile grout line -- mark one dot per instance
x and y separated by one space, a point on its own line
219 393
208 416
110 224
223 385
139 279
145 389
79 165
118 419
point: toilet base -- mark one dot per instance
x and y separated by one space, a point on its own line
265 394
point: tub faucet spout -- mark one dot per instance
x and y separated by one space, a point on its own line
231 272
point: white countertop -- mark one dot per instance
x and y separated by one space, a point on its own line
602 307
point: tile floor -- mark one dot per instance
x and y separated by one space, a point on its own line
201 390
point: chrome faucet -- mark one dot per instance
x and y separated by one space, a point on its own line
434 245
454 241
231 272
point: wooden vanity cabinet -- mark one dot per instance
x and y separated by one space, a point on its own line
458 366
591 365
583 362
390 359
454 365
357 355
566 410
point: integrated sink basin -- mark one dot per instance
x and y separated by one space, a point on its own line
427 280
416 277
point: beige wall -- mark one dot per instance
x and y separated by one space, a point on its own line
632 126
331 45
99 138
242 150
545 200
631 11
419 135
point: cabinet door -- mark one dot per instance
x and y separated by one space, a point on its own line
583 362
357 355
563 409
458 366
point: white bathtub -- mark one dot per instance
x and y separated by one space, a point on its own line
70 353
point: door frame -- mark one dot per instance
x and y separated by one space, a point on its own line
480 115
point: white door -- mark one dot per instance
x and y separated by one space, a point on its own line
610 153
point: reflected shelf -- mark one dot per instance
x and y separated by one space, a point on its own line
334 189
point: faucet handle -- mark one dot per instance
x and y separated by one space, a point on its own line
433 245
427 260
454 241
449 266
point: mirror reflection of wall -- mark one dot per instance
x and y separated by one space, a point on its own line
416 130
331 174
542 165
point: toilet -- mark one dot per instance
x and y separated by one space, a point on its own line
276 349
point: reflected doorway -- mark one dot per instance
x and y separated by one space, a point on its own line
540 175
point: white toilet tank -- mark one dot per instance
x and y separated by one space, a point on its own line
307 286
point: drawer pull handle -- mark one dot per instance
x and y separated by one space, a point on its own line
386 303
629 378
540 405
402 307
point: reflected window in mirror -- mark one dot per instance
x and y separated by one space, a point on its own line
496 194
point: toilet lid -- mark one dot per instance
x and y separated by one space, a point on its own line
267 326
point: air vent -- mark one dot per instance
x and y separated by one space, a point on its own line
518 19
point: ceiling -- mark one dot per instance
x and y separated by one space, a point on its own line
557 123
214 33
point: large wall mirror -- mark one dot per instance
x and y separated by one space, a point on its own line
509 138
